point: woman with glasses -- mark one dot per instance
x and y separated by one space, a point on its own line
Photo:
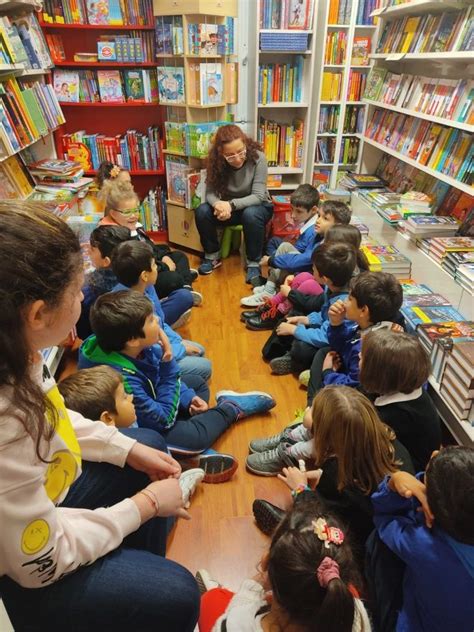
236 194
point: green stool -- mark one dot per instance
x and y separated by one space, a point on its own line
231 239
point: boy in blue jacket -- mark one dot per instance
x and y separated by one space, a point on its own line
333 266
135 268
373 302
127 337
427 522
292 259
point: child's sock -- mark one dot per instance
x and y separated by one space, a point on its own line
300 433
301 450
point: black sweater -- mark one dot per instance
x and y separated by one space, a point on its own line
416 424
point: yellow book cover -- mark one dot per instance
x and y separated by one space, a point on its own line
14 171
442 142
6 41
264 86
326 88
373 260
410 30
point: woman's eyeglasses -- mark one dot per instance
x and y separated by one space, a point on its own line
130 212
235 157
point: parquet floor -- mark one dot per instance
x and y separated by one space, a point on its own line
222 536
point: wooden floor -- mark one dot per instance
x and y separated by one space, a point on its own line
222 536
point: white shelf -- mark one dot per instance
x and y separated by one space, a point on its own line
30 144
462 431
338 26
421 115
283 104
462 55
417 7
462 186
285 170
334 65
330 103
10 5
284 187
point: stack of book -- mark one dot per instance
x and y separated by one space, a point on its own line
15 182
442 246
358 223
210 40
429 333
456 204
464 275
331 86
418 315
336 46
191 139
177 170
353 119
207 84
457 382
387 259
169 35
446 98
328 119
340 11
281 82
282 142
134 150
437 33
453 260
110 13
291 14
23 42
153 210
426 226
52 175
356 87
414 203
284 41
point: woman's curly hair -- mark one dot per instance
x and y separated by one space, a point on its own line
218 169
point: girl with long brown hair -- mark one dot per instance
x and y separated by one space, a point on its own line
236 193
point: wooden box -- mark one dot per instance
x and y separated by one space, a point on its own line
182 227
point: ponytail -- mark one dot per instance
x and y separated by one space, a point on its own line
337 610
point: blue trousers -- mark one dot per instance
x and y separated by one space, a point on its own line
253 219
175 304
131 588
196 364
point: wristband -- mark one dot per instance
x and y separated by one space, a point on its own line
299 489
151 499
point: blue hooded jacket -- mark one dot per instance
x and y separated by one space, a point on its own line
157 389
438 585
98 282
316 333
299 261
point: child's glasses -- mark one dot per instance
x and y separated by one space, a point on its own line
129 212
237 156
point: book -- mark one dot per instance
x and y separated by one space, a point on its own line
361 48
171 85
211 83
435 314
110 86
134 85
102 12
66 86
424 300
208 37
430 332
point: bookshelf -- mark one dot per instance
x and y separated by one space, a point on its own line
344 61
193 114
281 97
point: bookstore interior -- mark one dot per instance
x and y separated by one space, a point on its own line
369 101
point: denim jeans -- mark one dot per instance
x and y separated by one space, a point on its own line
196 364
131 588
253 219
176 304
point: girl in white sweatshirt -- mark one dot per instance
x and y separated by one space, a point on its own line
81 544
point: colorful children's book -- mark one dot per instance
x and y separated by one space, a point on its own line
361 51
419 316
66 86
208 39
134 87
424 300
110 86
374 84
211 83
171 85
104 12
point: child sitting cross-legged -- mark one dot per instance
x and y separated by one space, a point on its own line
127 337
373 303
289 259
98 393
394 367
302 290
135 267
308 581
427 523
333 266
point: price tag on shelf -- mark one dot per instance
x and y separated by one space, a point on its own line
395 57
377 12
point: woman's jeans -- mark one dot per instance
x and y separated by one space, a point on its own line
253 219
131 588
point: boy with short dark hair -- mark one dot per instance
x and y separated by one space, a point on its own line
102 241
135 268
333 266
127 337
291 259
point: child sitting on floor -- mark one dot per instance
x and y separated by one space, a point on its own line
351 446
436 545
122 208
312 577
302 289
394 367
98 393
135 267
102 241
333 265
297 258
127 336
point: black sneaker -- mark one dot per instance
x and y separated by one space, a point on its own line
267 516
282 365
268 319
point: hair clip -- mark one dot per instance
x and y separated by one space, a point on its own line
115 171
327 534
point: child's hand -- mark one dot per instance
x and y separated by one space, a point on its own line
169 497
289 279
169 262
298 320
264 260
332 361
191 349
155 463
336 313
197 406
408 487
292 477
286 329
165 344
398 329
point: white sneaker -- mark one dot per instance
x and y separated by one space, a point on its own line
182 320
259 289
254 300
269 287
197 298
188 481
